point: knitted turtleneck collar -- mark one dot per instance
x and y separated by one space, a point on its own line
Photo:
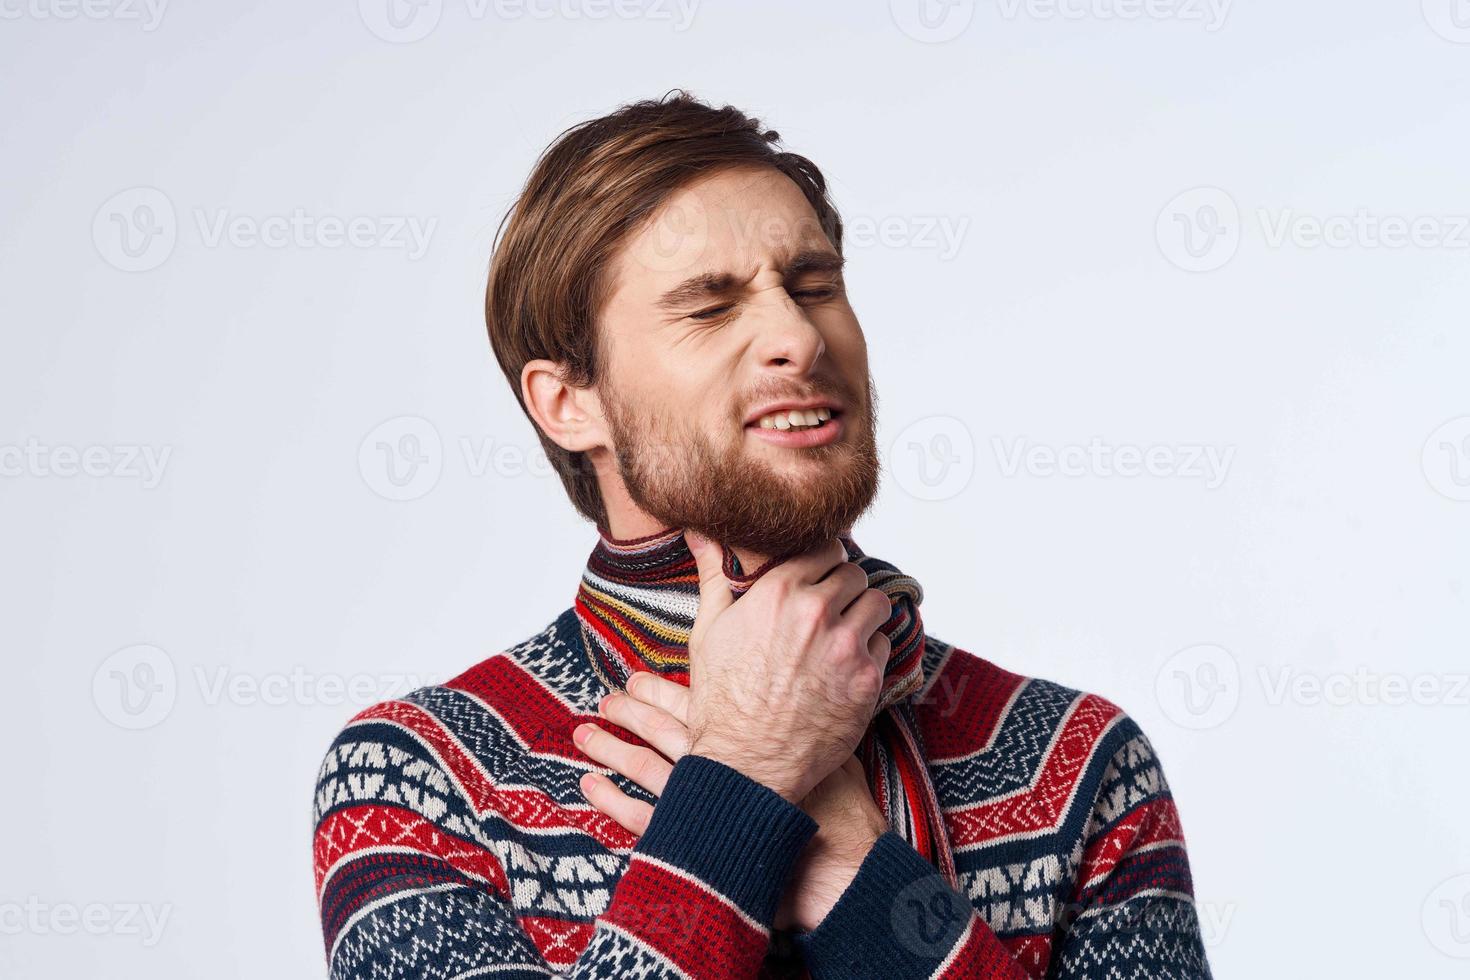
638 598
636 604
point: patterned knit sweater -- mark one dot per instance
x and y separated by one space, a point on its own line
452 839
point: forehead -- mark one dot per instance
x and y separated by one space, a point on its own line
735 220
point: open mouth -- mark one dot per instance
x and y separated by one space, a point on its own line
796 419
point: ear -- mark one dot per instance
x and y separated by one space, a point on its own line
570 416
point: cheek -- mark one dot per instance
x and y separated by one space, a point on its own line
844 336
689 402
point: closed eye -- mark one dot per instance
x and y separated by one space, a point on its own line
815 294
712 313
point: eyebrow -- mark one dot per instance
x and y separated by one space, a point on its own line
708 284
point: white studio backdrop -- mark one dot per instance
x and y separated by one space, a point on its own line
1167 310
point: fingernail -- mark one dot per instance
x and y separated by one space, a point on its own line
580 733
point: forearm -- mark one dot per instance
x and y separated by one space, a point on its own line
696 898
711 866
899 918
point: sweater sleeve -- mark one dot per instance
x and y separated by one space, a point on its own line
899 918
410 884
1131 913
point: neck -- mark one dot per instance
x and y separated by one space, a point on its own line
639 596
630 523
635 608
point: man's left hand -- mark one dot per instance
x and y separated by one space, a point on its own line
654 709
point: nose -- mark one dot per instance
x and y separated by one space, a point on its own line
786 338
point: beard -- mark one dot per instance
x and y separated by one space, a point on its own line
681 477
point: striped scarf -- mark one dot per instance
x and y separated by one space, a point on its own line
637 601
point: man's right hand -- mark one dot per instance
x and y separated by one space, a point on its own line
783 683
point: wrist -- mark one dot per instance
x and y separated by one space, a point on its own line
767 773
828 882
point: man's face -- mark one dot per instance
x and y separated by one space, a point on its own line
730 301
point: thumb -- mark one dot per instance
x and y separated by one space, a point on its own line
714 588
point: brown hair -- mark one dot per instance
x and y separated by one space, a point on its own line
593 186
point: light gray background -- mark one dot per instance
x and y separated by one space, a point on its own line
1069 223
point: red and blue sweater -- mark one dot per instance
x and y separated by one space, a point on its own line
452 839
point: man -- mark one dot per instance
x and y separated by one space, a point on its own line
737 753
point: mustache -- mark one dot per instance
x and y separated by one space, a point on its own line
818 389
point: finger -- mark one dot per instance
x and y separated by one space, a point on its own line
652 724
714 588
638 762
869 611
880 648
632 815
843 586
811 566
661 692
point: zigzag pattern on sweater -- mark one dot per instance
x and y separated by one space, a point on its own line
452 836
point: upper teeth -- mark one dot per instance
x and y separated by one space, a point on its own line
795 418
